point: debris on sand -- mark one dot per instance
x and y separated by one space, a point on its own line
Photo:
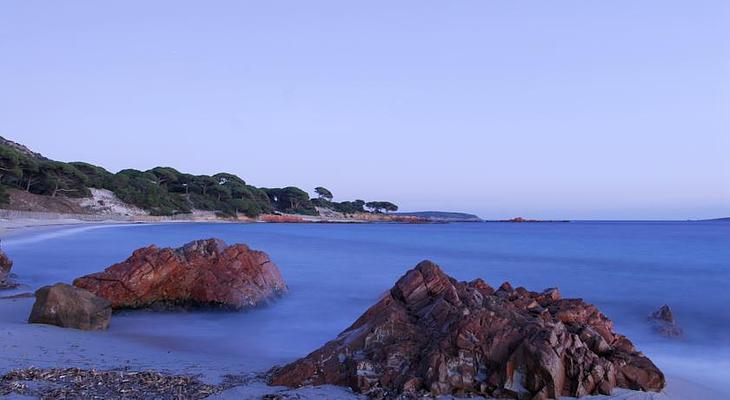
75 383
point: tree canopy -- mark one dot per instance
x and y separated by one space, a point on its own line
323 193
380 206
291 200
163 190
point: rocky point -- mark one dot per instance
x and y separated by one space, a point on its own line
201 273
432 334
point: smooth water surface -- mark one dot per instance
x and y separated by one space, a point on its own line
335 272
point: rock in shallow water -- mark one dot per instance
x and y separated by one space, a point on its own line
200 273
431 333
70 307
5 265
663 323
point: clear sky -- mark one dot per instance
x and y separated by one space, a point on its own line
546 109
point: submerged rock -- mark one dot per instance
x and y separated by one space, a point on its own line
430 333
200 273
6 264
663 323
70 307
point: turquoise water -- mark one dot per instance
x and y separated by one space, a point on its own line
335 272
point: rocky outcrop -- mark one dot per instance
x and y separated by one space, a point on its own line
662 322
431 333
6 264
200 273
70 307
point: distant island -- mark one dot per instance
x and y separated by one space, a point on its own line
724 219
30 182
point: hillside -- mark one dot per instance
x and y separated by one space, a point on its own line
162 191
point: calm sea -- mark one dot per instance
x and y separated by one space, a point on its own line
335 272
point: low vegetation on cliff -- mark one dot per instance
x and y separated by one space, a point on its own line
162 190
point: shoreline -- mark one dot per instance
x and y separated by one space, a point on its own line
29 222
28 227
15 228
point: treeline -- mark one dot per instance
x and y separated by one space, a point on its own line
161 190
350 207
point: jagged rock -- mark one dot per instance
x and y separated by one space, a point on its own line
663 323
70 307
200 273
430 333
6 264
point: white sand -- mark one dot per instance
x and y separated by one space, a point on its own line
14 227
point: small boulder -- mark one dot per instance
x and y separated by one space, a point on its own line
5 265
70 307
663 322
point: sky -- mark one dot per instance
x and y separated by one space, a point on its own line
561 109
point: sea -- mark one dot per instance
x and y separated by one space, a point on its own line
336 271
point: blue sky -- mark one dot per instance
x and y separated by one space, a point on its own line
561 109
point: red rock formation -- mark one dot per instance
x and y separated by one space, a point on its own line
431 333
203 272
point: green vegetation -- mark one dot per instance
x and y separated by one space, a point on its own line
381 206
291 200
40 175
323 193
162 190
443 216
350 207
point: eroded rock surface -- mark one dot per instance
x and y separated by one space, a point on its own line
431 333
201 273
70 307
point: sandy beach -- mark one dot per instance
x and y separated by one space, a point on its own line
17 227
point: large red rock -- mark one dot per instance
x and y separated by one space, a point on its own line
200 273
430 333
